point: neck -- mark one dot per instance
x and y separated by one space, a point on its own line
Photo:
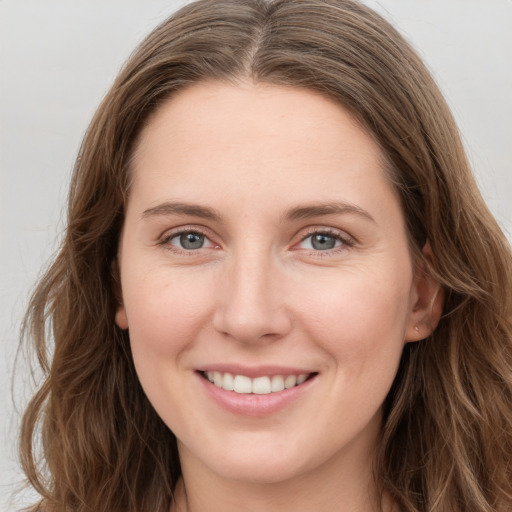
332 486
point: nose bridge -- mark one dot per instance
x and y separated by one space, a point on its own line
251 302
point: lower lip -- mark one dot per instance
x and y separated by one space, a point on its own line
250 404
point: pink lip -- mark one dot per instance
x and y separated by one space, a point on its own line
252 404
254 371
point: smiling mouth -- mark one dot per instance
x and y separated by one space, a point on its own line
258 386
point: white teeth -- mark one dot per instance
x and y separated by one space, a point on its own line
290 381
228 383
277 383
217 379
301 378
242 384
259 386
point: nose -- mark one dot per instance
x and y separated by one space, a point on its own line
251 301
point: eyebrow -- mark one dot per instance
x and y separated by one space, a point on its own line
297 213
170 208
321 209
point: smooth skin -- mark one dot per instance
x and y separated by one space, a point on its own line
261 229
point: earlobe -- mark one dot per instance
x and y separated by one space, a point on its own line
427 307
121 318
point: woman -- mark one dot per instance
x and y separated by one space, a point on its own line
279 288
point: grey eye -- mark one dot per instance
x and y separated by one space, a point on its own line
191 241
323 242
320 242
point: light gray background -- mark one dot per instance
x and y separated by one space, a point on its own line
57 59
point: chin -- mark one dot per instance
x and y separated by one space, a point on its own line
261 473
253 461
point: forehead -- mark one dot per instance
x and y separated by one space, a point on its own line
216 142
248 114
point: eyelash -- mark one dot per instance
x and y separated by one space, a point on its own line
345 240
166 239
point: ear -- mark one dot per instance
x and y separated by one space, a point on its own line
427 300
120 318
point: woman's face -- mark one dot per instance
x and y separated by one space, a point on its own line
263 248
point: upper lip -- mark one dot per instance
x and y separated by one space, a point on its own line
255 371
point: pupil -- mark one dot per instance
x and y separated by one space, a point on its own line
323 242
191 241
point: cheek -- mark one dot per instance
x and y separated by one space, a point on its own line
165 315
165 319
360 318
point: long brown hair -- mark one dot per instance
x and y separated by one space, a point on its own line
447 430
